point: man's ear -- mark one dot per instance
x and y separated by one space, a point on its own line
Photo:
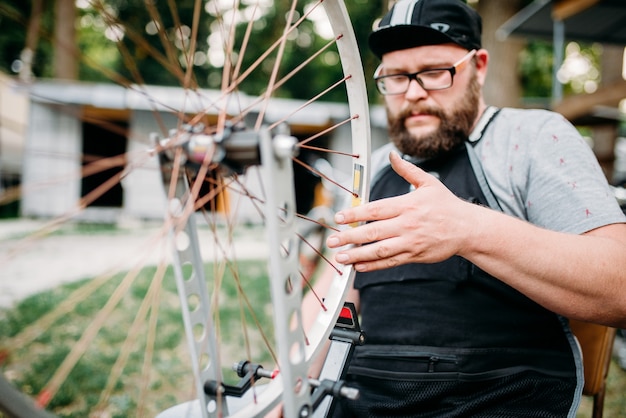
482 62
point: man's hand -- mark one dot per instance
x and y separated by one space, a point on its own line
427 225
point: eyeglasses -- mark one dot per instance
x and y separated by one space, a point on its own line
431 79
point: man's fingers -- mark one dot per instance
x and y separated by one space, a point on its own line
385 254
373 211
360 235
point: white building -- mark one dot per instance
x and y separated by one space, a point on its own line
69 121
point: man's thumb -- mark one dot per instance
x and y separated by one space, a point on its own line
407 170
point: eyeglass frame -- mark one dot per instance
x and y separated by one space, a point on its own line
456 68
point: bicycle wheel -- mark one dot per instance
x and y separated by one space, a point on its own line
220 167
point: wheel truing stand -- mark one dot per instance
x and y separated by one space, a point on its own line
190 151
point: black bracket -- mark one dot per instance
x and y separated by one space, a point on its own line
345 336
247 371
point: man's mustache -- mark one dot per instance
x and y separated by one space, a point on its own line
423 110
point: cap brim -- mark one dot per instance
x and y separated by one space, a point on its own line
399 37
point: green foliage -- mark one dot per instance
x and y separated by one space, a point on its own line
580 70
14 16
11 33
318 74
149 51
101 57
142 56
535 69
96 52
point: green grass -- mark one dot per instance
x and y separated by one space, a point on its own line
30 366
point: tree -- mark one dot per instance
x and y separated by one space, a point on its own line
503 87
65 54
32 37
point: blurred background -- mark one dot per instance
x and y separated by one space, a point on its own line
565 55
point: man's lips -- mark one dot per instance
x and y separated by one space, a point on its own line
417 118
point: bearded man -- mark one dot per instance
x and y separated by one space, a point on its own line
487 229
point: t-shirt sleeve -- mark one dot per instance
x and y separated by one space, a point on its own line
567 190
544 171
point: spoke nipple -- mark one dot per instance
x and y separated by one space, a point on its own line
43 399
284 146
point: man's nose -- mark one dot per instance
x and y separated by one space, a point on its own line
415 90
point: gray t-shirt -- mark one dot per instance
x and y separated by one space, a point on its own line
540 169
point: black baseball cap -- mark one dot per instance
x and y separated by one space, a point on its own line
412 23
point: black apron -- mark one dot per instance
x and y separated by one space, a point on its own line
448 339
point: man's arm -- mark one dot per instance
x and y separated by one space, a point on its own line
578 276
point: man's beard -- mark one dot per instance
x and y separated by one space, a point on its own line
454 127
